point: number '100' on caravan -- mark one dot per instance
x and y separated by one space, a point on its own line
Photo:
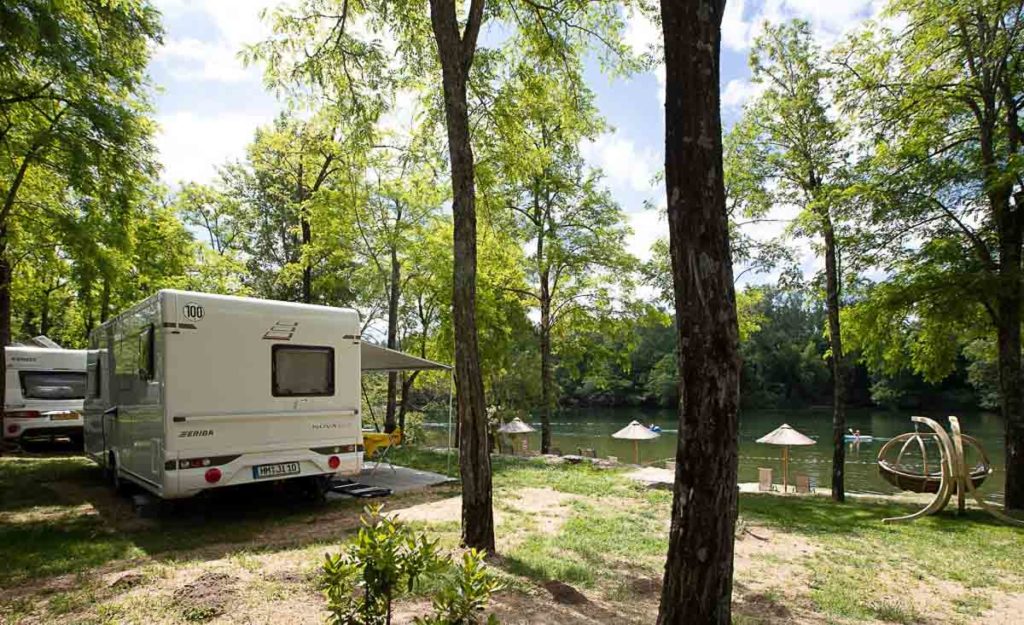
192 391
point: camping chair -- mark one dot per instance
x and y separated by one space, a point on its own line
379 447
764 480
804 484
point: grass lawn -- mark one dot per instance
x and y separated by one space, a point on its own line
73 552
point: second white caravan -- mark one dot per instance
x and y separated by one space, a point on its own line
192 391
45 389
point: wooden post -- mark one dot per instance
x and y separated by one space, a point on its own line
785 468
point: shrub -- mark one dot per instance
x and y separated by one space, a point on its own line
387 558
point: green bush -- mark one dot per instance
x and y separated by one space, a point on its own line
386 559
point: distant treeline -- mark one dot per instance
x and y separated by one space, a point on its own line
784 365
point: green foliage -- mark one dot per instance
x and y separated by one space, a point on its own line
387 558
463 601
384 559
935 93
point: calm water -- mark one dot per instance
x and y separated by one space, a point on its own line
593 427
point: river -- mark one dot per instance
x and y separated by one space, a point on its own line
592 428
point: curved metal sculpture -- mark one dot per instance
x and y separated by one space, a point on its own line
952 477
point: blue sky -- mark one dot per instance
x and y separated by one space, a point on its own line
209 105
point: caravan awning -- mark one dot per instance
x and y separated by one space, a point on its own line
377 358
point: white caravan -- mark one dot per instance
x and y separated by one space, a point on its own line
45 389
192 391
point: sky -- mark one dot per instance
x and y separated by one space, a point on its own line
208 104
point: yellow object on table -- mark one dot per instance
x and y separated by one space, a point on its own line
373 441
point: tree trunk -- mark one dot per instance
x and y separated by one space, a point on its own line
44 315
104 301
546 377
1008 336
394 292
697 585
5 320
307 268
456 56
407 382
838 365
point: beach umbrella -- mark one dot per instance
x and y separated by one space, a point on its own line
785 436
635 432
514 427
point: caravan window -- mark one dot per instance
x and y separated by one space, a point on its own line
301 370
53 384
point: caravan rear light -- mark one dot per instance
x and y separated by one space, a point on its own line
212 476
24 414
199 463
12 429
334 462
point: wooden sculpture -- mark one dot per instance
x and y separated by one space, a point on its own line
951 476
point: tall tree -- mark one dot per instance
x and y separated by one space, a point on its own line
401 198
323 48
72 104
698 571
791 149
940 100
576 230
456 48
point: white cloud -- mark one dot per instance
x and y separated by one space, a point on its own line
830 20
737 91
648 226
237 24
627 167
191 146
641 34
192 59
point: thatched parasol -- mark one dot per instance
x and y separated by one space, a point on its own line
635 432
514 427
785 436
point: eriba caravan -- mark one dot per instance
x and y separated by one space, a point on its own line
45 389
191 391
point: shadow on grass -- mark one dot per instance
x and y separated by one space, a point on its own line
819 515
57 515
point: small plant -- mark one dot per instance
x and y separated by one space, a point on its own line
465 599
386 559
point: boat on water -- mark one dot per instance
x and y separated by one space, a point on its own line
858 438
929 483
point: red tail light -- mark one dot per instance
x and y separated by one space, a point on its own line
13 429
212 476
23 414
334 462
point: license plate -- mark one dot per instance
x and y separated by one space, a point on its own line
263 471
64 416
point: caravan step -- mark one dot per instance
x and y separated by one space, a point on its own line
360 490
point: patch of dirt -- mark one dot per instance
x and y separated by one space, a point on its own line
538 608
645 586
564 593
127 581
764 606
1007 609
206 597
441 511
547 508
